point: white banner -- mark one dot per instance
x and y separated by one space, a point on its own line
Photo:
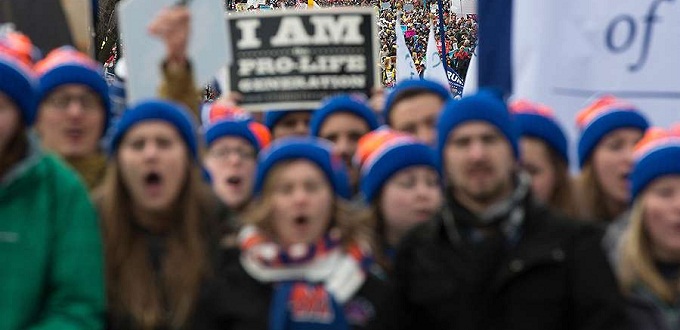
628 48
434 69
406 69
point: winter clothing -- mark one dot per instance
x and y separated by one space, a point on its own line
178 86
237 298
413 85
220 120
90 168
171 113
645 311
383 153
340 104
66 65
272 117
50 247
16 83
518 266
654 157
600 118
484 106
312 149
538 121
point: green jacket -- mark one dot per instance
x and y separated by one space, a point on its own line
51 256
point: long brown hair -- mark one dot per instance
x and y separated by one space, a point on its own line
355 223
562 198
591 200
15 150
133 289
637 261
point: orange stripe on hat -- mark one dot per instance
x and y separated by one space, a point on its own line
528 107
599 107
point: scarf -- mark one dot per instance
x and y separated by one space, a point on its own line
311 281
507 215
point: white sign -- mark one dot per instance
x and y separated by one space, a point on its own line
628 48
208 44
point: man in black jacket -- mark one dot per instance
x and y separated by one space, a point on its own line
493 258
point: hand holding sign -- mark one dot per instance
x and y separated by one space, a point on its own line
172 26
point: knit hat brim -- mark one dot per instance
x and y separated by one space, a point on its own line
314 150
426 86
19 87
484 106
603 125
544 129
377 171
342 104
662 161
73 73
231 128
150 110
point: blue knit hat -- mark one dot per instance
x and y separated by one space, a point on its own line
18 84
272 117
342 103
538 121
220 120
66 65
315 150
605 115
156 109
426 86
484 106
384 152
656 155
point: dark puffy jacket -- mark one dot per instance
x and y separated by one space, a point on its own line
555 277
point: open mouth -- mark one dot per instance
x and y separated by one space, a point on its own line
153 179
301 220
234 180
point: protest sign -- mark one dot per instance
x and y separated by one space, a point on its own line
294 59
208 50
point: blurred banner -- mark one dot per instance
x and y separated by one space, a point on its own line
51 24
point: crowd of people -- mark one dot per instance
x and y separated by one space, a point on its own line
461 36
412 211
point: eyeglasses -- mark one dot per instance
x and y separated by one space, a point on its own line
223 154
61 101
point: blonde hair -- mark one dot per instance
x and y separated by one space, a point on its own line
355 224
133 290
637 261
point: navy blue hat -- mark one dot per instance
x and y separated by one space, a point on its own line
272 117
605 115
18 85
342 103
413 85
383 152
656 155
65 65
484 106
537 121
155 109
313 149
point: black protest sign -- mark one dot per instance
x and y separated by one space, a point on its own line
294 59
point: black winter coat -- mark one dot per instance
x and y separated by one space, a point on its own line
233 300
555 277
